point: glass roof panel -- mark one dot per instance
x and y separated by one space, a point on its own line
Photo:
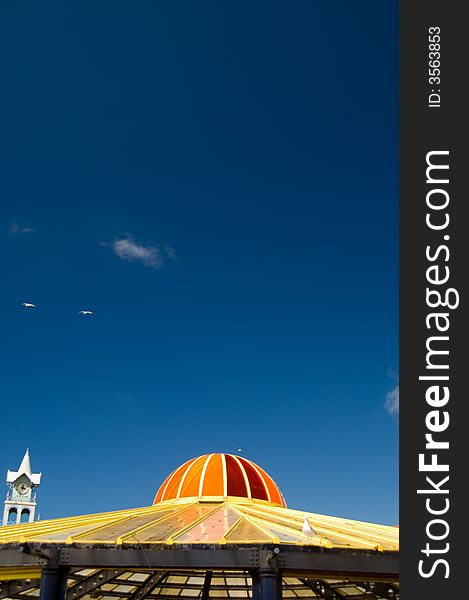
283 534
246 531
350 590
160 532
62 535
196 580
304 593
133 576
111 532
170 591
176 579
238 580
85 572
124 588
212 528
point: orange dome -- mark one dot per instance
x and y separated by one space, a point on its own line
220 475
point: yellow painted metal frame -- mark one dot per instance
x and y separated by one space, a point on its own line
259 517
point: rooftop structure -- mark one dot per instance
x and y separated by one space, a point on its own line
219 475
20 503
219 528
24 469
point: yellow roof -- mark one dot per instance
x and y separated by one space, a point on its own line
207 521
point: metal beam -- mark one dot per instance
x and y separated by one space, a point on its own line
340 565
310 562
15 557
322 589
206 588
10 588
164 559
91 583
372 590
359 566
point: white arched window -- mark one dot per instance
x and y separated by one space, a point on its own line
25 515
12 516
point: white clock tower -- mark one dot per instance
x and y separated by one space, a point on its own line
20 504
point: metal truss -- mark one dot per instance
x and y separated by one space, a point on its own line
10 589
331 574
91 583
372 591
148 586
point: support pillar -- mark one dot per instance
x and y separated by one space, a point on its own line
53 583
267 584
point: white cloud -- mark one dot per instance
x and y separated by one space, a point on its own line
16 229
392 401
128 249
170 253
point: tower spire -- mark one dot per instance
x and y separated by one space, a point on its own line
20 505
25 466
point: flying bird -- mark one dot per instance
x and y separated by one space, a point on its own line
28 305
85 312
307 529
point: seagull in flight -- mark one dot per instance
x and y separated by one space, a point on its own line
85 312
28 305
307 529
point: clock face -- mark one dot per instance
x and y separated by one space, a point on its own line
22 488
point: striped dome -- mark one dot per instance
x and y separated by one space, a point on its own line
219 475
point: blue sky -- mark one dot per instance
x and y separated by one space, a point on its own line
218 182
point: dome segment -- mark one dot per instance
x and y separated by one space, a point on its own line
220 475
